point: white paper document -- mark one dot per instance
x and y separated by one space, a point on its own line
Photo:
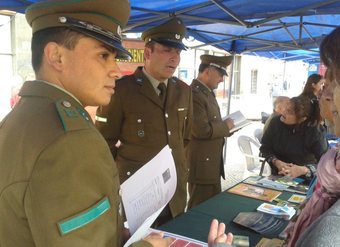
239 120
147 192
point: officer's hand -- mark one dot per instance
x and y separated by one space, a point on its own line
217 234
156 239
229 122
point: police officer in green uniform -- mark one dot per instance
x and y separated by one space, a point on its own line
208 131
151 109
59 185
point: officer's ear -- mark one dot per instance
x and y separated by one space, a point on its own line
147 52
52 55
208 70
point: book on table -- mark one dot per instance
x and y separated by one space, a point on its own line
256 192
239 120
261 223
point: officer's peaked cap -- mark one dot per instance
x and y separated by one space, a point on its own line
99 19
169 33
220 62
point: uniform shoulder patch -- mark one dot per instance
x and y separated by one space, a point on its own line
200 89
85 217
71 117
195 89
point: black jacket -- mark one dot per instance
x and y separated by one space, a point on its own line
300 146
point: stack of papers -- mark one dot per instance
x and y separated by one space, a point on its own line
284 212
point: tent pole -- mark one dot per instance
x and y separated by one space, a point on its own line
231 79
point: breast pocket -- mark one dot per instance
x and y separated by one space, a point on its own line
207 168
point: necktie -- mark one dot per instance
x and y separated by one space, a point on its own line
162 89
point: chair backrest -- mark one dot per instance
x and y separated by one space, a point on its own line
258 135
249 147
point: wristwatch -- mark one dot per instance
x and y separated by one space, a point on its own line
271 160
311 171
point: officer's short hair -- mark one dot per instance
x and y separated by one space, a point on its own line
202 67
60 35
151 45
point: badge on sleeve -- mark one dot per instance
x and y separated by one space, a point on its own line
68 225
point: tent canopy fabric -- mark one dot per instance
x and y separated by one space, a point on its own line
284 29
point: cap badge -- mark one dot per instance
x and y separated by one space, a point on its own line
62 19
177 36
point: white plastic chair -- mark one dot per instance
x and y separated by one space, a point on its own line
250 148
258 135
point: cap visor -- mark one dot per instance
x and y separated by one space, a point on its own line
122 53
171 43
222 71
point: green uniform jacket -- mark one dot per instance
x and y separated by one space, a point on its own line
208 132
136 117
58 182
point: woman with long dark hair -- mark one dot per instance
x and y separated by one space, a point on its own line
293 142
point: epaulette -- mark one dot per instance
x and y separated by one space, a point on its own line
71 117
198 89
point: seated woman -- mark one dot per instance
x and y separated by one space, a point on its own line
294 142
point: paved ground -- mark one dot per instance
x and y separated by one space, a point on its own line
235 161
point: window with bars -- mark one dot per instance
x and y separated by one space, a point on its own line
253 81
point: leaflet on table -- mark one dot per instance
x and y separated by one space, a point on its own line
252 191
146 193
284 212
239 120
178 240
278 183
274 242
297 198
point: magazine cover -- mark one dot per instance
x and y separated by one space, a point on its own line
252 191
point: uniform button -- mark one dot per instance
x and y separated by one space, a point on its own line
166 115
120 192
207 159
139 120
169 133
140 133
186 118
66 104
128 173
215 117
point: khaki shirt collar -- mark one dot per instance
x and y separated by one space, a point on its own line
154 81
